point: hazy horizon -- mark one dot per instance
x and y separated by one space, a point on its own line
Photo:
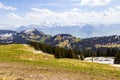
71 12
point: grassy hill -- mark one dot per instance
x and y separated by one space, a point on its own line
21 62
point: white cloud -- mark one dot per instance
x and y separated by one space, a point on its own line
2 6
49 4
41 10
40 16
75 9
95 2
74 0
118 7
14 16
74 16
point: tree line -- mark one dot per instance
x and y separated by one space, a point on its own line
102 51
59 52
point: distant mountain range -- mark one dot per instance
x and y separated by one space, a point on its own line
81 31
61 40
96 42
8 36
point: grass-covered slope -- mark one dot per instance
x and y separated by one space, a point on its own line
20 52
21 62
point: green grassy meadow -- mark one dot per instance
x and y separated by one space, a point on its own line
24 56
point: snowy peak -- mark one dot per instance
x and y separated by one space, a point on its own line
32 32
79 30
7 36
34 35
29 30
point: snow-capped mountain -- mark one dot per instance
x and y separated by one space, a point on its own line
34 34
81 31
61 40
31 32
8 36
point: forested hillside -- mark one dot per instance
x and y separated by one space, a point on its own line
59 52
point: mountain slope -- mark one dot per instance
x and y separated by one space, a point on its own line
96 41
90 31
7 36
34 35
61 40
110 29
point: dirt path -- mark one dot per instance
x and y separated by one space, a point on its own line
15 71
22 71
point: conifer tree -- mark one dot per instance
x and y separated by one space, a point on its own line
117 58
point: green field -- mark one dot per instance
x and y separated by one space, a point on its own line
21 62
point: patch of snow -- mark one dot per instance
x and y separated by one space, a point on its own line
29 30
104 60
38 52
6 35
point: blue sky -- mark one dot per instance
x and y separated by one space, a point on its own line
57 5
63 12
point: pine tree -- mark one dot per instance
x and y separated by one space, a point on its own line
117 58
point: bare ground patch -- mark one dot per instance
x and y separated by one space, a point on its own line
20 71
15 71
